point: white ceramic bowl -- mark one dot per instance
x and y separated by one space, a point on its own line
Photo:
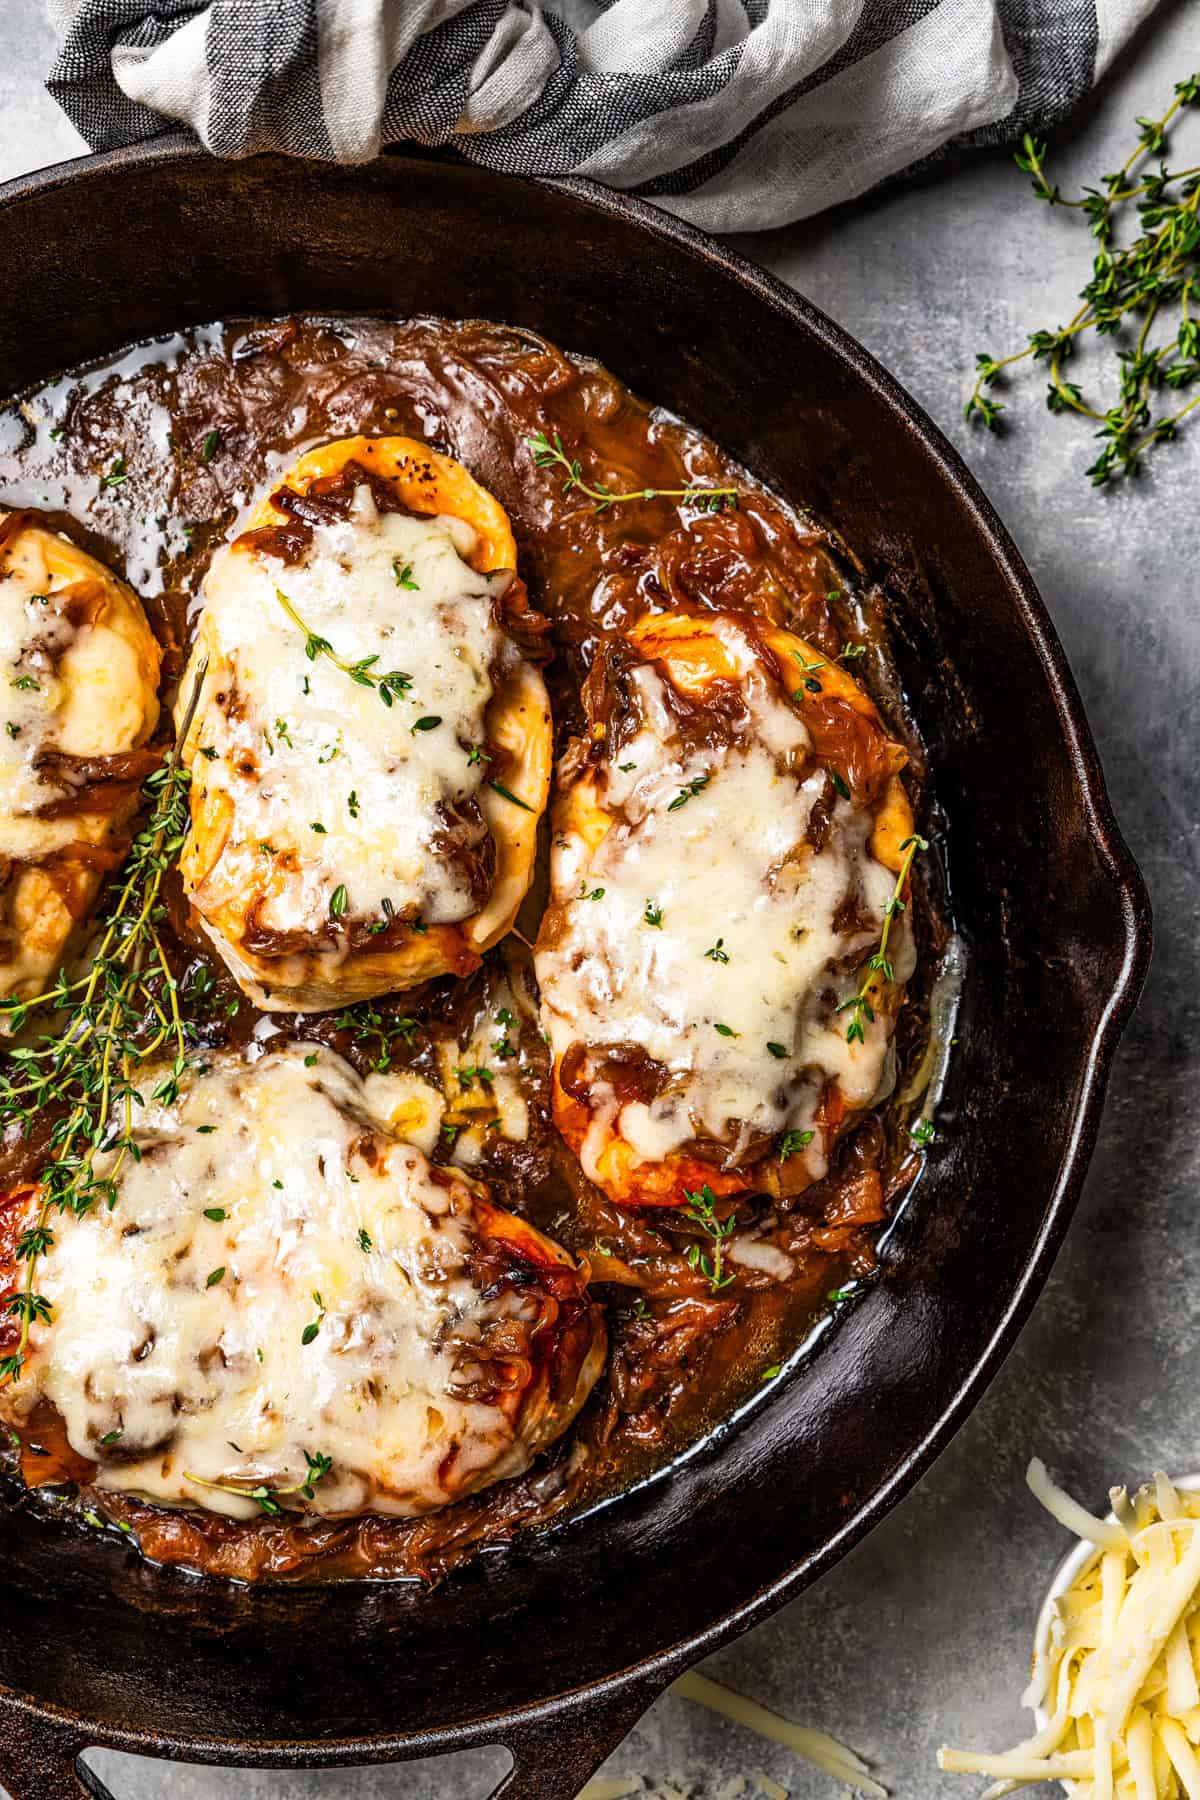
1067 1574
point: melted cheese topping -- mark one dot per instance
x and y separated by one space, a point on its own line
76 688
85 689
751 1041
270 1198
313 763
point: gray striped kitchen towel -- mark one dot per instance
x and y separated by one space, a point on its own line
736 114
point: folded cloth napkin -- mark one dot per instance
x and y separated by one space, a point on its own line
736 114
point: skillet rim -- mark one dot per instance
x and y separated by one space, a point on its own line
626 1692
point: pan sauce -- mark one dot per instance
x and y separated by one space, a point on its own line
151 466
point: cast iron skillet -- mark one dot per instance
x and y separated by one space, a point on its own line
556 1647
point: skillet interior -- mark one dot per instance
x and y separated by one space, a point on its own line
1052 909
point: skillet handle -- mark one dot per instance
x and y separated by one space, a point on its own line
556 1753
39 1757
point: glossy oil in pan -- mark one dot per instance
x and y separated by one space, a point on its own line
556 1646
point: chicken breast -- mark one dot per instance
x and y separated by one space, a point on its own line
372 748
79 673
289 1297
726 839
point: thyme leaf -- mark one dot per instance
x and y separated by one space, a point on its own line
847 653
310 1330
688 791
791 1141
505 795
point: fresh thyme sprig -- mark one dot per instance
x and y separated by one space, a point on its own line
388 687
376 1032
859 1004
688 791
701 1210
117 1016
547 455
1134 287
265 1496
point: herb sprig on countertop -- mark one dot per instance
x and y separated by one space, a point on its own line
859 1004
1132 294
547 455
105 1025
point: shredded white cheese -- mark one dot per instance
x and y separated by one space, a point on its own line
1115 1667
816 1747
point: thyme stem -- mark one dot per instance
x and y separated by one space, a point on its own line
1161 268
859 1004
547 455
386 686
701 1209
90 1058
266 1496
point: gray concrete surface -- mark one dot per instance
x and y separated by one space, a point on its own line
923 1633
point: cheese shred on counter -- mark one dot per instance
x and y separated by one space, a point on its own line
1115 1675
817 1747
